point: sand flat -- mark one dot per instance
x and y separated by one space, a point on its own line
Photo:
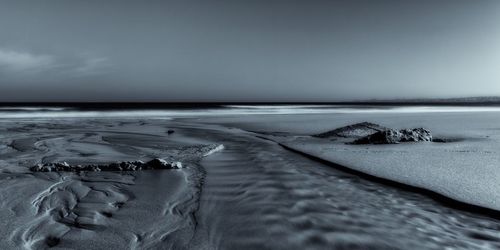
465 171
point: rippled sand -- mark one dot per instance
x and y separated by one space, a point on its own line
254 194
96 210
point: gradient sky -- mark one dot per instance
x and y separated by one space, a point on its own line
253 50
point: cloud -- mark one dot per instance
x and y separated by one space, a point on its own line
18 64
91 66
25 62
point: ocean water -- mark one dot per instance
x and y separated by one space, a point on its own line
226 110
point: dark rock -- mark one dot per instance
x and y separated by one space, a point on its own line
50 167
52 241
448 140
107 214
391 136
357 130
162 164
416 134
119 166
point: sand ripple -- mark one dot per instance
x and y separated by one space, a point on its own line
274 199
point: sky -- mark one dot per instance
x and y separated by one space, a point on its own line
253 50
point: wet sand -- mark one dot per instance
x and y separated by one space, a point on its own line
254 194
150 209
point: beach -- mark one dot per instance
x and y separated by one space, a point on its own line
251 178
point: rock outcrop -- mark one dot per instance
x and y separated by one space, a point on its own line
357 130
156 163
371 133
391 136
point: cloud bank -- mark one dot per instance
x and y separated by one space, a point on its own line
23 62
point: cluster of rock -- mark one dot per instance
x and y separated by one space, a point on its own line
391 136
156 163
371 133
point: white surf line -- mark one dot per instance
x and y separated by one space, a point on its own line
215 150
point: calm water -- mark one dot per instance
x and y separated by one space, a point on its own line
65 112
